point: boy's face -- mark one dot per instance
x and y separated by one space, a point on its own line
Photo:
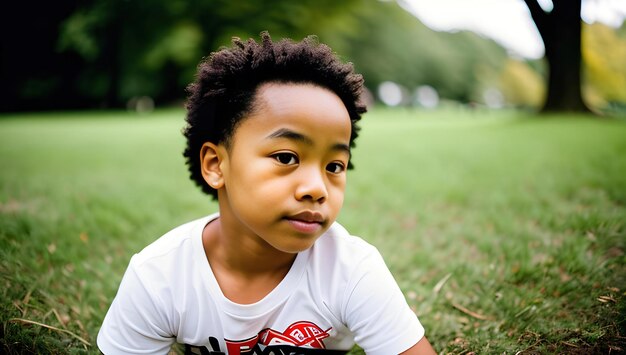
284 176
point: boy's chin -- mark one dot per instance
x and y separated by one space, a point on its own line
295 248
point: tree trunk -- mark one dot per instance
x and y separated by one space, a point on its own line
561 30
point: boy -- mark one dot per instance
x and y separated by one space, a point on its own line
269 132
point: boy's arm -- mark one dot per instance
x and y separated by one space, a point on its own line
135 322
422 347
377 313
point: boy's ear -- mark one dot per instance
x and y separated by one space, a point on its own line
210 159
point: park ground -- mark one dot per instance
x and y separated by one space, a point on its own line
505 230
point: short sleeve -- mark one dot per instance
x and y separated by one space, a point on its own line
376 311
136 321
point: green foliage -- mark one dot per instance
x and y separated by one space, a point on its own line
75 34
108 51
506 233
104 53
387 43
604 54
153 48
522 86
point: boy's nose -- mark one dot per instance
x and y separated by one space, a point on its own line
312 187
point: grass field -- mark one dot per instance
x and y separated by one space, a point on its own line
507 232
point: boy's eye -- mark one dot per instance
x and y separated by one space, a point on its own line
286 158
335 168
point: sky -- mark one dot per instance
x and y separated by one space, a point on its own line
506 21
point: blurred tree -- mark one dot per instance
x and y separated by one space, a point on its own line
103 53
74 54
387 43
561 30
521 85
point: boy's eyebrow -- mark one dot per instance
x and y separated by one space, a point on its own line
293 135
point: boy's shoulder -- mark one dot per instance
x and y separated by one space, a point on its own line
343 249
179 240
338 236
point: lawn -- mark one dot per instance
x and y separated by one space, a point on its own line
506 231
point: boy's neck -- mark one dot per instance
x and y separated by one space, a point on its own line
246 268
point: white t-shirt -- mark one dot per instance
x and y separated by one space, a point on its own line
336 293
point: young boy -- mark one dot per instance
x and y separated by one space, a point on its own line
269 130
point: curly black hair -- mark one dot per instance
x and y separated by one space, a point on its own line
227 81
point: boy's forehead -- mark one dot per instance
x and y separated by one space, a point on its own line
277 96
299 106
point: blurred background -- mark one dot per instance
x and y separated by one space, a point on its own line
63 55
507 233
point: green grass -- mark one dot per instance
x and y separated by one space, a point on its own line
505 231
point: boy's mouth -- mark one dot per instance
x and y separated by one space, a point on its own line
307 222
308 217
